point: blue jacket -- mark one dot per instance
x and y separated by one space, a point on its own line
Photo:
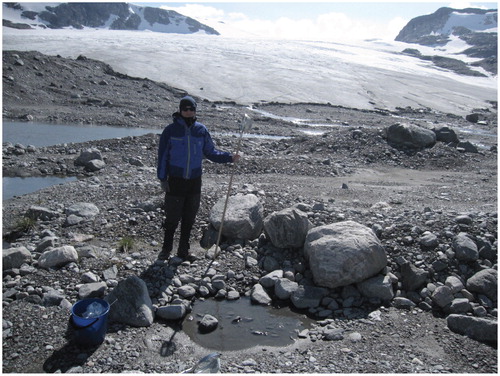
182 149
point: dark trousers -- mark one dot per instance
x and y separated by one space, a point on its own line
181 205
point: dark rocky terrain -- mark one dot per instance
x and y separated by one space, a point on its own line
348 173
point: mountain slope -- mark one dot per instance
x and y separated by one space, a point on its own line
475 28
113 16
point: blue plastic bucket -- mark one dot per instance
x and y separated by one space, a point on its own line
92 330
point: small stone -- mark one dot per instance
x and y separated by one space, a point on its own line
355 337
208 324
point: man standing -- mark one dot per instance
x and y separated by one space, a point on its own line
183 144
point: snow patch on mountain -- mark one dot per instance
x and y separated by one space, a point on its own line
116 16
464 41
177 23
474 22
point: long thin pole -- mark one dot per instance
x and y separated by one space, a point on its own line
216 254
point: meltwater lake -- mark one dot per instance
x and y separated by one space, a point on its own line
40 134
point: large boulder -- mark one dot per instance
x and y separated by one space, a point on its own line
83 209
88 155
42 213
91 159
343 253
208 324
243 219
467 147
442 296
79 212
410 136
477 328
172 312
58 257
287 228
413 277
95 165
284 288
465 248
46 243
260 296
379 287
15 257
473 118
484 282
130 303
92 290
446 134
270 279
305 296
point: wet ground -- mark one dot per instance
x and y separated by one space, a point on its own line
243 325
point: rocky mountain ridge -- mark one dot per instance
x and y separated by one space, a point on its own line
475 27
113 16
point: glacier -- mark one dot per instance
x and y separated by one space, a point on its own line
365 74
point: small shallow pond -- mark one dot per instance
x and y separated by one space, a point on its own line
243 325
41 134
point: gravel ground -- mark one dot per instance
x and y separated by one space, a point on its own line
350 171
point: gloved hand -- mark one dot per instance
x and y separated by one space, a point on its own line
164 186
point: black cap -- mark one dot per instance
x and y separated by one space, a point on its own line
187 101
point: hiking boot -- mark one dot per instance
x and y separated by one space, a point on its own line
187 257
164 254
168 241
191 258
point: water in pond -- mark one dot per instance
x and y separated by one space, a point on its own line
40 134
16 186
243 325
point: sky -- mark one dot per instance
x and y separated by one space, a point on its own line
316 20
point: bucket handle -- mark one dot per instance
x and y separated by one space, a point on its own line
82 327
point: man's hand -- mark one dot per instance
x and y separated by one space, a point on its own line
164 186
236 158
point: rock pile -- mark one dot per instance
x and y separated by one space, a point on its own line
91 159
334 270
